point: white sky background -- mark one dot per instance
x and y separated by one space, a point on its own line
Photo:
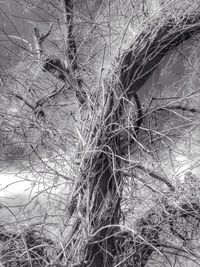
14 184
19 185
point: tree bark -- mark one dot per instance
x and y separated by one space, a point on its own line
102 169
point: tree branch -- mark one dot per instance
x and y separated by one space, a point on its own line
57 68
24 100
156 176
150 48
41 102
139 120
179 107
39 39
71 51
66 71
38 112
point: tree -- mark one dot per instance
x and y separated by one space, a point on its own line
126 208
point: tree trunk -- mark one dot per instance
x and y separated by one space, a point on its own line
101 171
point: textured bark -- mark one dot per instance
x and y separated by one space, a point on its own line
102 169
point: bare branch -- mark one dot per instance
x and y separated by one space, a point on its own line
179 107
41 102
38 111
71 51
39 39
57 68
141 60
139 120
24 100
156 176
